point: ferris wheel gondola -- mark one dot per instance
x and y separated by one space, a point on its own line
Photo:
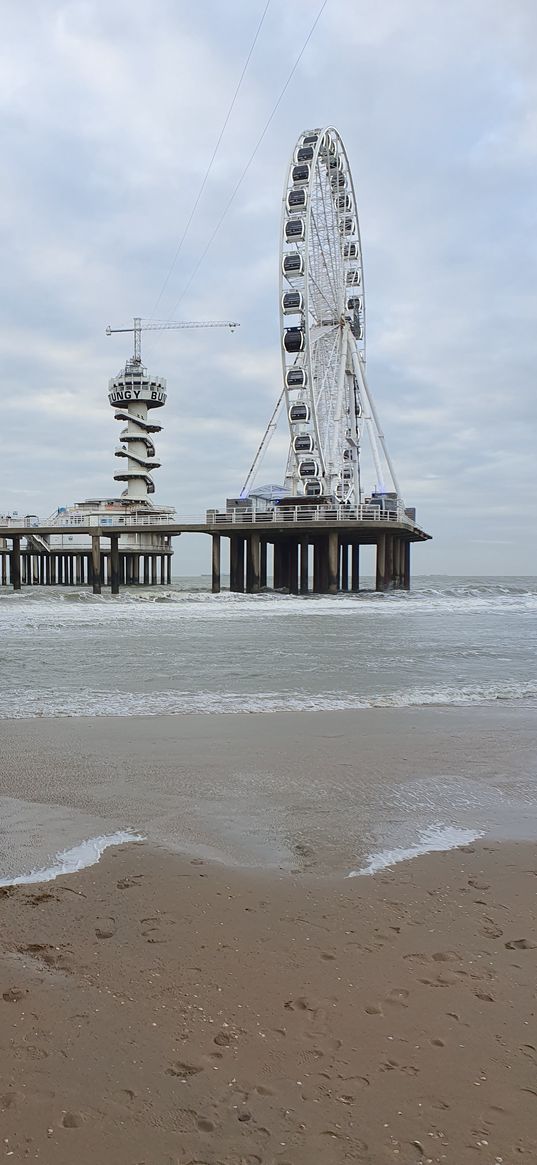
322 320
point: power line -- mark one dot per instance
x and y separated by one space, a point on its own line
251 158
213 156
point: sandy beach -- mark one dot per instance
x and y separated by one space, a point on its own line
157 1009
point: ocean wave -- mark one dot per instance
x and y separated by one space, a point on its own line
87 853
30 703
434 839
48 610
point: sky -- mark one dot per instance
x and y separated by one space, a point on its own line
110 114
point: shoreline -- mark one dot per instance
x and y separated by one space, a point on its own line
318 792
166 1009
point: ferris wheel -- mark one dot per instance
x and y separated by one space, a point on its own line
322 319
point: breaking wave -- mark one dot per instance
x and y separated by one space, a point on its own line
27 703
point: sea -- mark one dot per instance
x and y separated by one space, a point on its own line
449 642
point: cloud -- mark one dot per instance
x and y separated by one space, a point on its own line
110 114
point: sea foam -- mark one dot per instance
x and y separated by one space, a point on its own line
87 853
434 839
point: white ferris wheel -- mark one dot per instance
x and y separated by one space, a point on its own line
322 319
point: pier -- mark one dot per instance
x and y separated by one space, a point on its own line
303 549
339 489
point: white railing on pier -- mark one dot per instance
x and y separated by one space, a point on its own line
318 515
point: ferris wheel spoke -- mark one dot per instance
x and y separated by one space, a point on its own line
324 381
321 292
321 252
328 232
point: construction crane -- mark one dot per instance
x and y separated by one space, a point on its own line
165 325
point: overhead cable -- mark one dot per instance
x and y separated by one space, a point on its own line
251 158
211 161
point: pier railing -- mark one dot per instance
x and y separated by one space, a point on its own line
321 514
317 515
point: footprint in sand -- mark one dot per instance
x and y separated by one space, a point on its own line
492 930
105 928
397 997
38 897
128 881
394 1066
157 929
204 1125
183 1070
302 1004
14 995
520 944
373 1009
72 1120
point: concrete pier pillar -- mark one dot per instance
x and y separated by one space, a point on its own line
317 571
333 554
163 569
355 568
263 564
114 564
216 557
236 573
344 575
406 567
4 570
16 562
253 556
304 566
169 569
277 571
389 564
96 563
293 566
381 561
398 562
145 564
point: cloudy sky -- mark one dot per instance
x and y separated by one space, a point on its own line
111 111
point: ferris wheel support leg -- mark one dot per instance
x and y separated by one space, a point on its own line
360 374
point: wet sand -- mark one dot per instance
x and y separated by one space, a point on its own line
164 1010
318 789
